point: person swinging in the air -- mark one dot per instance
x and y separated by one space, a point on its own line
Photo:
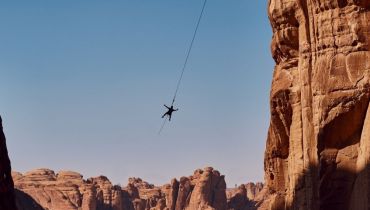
169 112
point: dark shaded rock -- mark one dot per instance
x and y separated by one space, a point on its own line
7 197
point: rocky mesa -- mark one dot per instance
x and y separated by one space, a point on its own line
206 189
318 146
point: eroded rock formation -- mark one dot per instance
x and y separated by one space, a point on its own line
7 201
244 197
318 146
66 190
252 191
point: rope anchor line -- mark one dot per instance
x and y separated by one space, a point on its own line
186 61
189 51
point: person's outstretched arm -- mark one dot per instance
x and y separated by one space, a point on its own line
175 110
166 106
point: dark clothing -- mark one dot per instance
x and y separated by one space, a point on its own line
169 112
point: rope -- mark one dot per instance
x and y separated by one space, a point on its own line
164 123
185 63
189 51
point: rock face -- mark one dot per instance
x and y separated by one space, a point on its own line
252 190
318 146
7 201
245 197
66 190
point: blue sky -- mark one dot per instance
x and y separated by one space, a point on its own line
83 85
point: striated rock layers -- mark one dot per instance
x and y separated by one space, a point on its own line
7 201
318 146
204 190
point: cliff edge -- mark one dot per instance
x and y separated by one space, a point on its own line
318 146
7 201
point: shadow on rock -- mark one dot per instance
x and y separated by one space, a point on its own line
25 201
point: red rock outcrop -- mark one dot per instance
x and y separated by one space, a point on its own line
245 197
318 146
66 190
252 190
43 189
7 201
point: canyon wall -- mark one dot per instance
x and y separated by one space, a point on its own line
7 201
318 146
206 189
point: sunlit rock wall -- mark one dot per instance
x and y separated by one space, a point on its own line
318 145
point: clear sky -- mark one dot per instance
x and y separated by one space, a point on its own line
83 83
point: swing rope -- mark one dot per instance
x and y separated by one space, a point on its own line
188 53
163 124
185 63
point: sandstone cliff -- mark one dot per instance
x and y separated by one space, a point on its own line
66 190
245 197
318 146
7 201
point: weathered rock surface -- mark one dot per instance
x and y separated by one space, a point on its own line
66 190
248 196
318 146
252 190
7 201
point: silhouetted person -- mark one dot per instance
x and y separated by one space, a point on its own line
169 112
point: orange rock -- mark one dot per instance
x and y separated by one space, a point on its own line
318 143
42 188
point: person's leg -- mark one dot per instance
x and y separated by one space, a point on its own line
164 115
169 117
